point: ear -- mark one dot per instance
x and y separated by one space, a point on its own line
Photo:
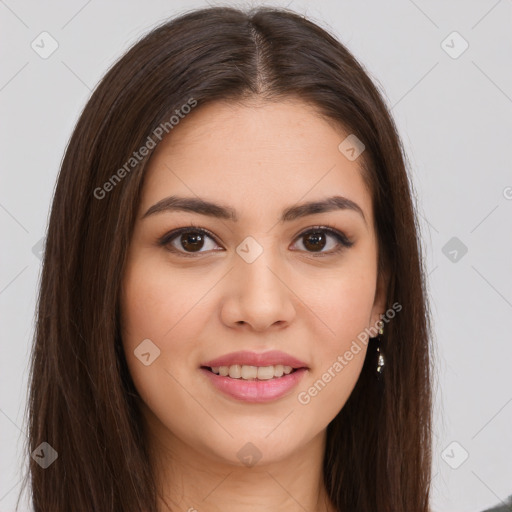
379 304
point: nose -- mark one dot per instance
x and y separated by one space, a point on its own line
257 296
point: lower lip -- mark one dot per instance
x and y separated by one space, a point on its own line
256 391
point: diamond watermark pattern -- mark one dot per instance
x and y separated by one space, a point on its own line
454 45
146 352
38 249
44 45
249 455
351 147
44 455
454 455
249 250
454 250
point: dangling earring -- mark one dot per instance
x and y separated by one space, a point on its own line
380 356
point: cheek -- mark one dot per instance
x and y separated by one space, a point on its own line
344 309
339 356
170 310
343 303
157 308
155 303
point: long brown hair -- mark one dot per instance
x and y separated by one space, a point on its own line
82 400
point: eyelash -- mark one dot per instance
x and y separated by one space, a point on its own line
343 241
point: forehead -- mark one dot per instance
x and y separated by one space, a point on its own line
260 154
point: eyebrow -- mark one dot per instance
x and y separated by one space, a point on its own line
204 207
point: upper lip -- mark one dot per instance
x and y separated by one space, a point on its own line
272 358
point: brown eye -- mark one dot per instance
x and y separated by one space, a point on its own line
188 241
317 239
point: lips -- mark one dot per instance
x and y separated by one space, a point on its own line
255 391
247 358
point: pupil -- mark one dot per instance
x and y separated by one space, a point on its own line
192 242
318 241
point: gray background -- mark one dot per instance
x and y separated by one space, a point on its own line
454 115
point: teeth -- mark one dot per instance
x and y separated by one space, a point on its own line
235 371
249 372
246 372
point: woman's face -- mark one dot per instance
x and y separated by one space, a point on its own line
264 275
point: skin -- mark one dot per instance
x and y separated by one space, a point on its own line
259 159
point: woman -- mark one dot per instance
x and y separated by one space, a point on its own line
232 313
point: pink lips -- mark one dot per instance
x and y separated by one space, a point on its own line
256 391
